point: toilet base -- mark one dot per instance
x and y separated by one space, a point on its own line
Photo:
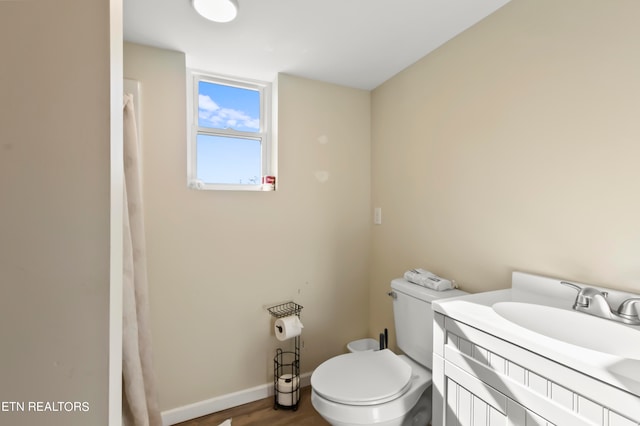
419 415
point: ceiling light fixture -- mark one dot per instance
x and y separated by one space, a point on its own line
217 10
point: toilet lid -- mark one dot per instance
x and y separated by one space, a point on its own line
362 378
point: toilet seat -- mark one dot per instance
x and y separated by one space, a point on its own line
362 378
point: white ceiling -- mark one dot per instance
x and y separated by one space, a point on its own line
355 43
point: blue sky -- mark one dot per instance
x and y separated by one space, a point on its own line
228 107
224 159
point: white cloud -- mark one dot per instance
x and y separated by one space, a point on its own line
215 116
207 104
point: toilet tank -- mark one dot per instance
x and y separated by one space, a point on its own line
413 316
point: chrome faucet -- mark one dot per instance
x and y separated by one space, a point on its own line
590 300
594 302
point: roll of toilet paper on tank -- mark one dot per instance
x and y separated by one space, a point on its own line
287 327
288 385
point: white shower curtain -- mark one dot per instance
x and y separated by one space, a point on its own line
139 401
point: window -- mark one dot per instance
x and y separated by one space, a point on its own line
229 140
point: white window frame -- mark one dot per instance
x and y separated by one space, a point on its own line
263 135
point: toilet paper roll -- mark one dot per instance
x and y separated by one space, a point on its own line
287 327
288 386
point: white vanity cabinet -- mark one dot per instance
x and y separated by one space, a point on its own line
480 379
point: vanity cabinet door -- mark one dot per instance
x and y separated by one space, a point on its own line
480 377
468 409
473 403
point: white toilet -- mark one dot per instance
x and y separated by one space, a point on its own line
379 387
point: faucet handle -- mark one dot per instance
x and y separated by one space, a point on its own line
585 291
627 309
581 301
572 285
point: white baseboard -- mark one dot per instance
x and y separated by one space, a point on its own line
219 403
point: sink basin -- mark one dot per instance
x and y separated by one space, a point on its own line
576 328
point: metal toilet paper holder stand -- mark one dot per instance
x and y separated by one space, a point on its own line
286 364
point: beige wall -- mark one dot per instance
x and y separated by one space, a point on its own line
54 214
216 259
514 147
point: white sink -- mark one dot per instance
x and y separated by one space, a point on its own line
576 328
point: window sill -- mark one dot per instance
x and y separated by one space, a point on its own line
230 187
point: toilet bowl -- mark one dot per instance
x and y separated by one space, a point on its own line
372 388
378 387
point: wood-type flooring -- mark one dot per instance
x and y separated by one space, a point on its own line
262 413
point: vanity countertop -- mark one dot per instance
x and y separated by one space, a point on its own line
476 310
